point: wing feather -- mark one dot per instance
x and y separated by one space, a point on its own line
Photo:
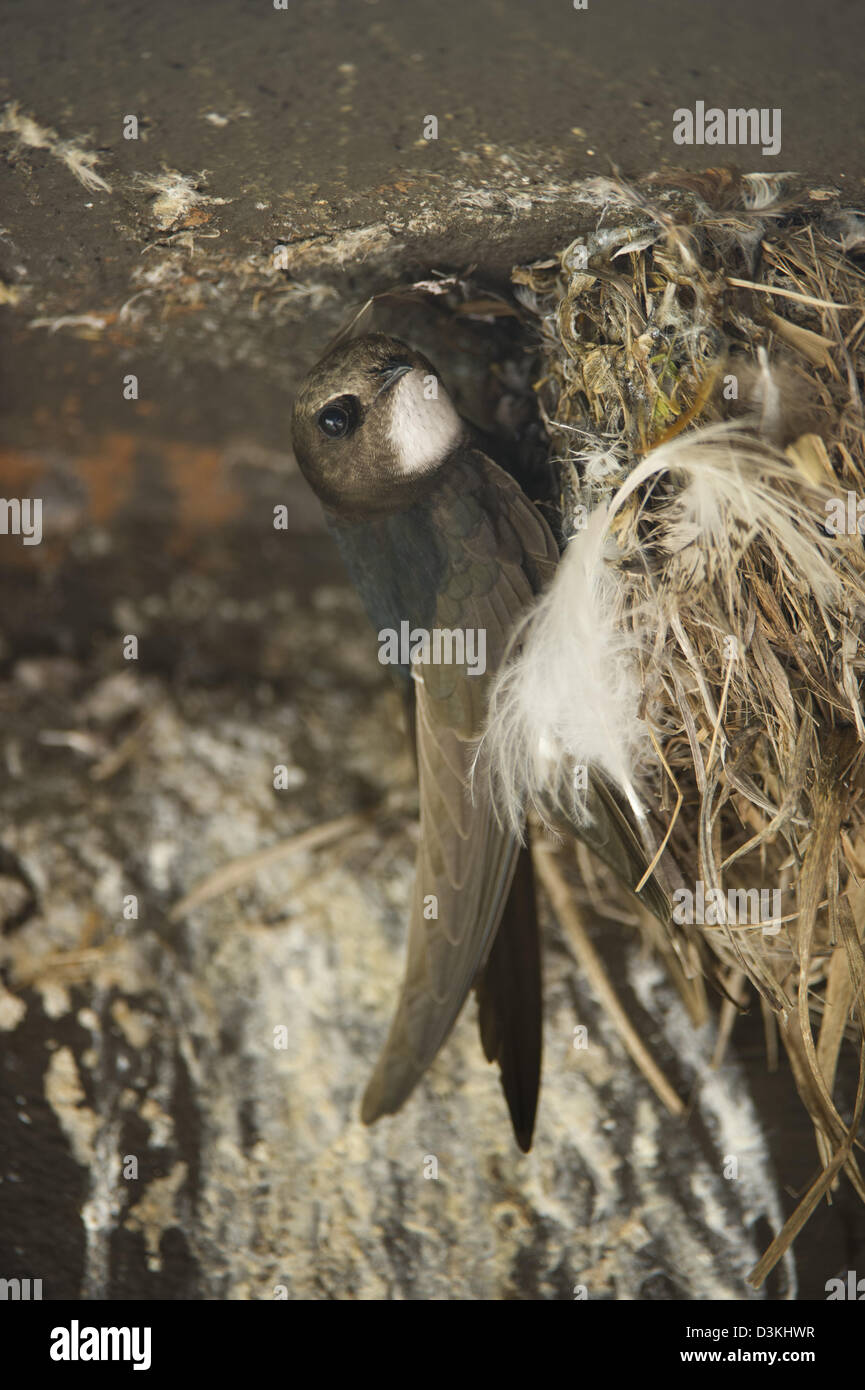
499 553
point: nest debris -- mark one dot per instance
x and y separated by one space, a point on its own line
720 321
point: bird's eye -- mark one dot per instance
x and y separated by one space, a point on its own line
339 418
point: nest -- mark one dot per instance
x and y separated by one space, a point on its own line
702 368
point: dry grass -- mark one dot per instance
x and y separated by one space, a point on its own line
682 290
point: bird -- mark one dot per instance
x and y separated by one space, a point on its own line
436 535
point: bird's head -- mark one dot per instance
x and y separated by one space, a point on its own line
372 424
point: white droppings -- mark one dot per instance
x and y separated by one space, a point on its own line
728 1109
55 998
65 1095
12 1010
175 195
72 153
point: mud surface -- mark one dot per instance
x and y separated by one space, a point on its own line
292 125
280 175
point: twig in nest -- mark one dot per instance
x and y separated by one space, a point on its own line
786 294
791 1228
590 962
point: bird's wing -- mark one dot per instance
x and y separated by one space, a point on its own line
510 1003
608 831
500 551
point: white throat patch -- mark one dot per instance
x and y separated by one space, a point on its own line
422 432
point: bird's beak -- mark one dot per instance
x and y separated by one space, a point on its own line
390 375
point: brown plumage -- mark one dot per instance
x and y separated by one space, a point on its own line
433 532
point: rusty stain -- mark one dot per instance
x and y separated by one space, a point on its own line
109 471
21 474
198 475
196 218
108 475
19 470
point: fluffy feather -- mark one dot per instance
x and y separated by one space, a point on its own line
684 518
729 489
570 699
